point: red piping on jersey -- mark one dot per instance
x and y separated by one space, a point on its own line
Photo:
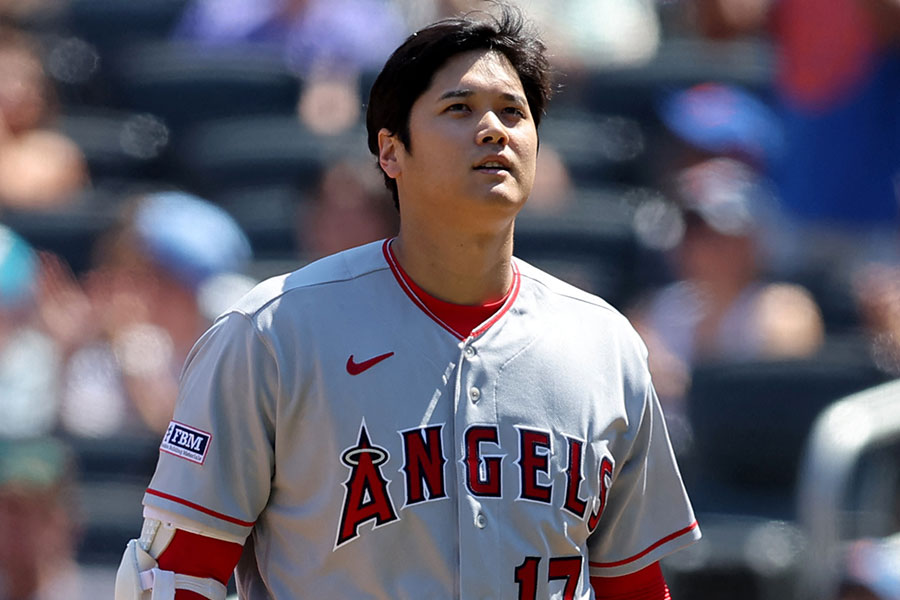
408 286
202 509
513 293
652 547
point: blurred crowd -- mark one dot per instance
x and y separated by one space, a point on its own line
133 212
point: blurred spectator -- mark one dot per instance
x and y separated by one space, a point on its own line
419 13
28 395
877 292
160 278
28 11
350 207
580 34
712 120
598 34
328 43
872 570
838 90
38 522
314 35
856 591
40 168
720 308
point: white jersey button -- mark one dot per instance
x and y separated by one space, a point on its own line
474 394
470 351
480 521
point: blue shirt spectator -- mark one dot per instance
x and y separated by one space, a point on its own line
355 35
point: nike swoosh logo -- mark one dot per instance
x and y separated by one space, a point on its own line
355 368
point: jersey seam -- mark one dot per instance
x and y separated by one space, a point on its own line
267 345
502 367
646 413
649 549
350 277
599 302
596 302
200 508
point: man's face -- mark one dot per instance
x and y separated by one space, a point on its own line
473 146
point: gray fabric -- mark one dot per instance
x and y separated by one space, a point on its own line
270 384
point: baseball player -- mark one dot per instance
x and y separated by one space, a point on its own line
425 416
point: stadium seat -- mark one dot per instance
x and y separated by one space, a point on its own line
117 144
113 474
187 83
68 231
258 151
750 421
268 214
596 149
110 23
679 63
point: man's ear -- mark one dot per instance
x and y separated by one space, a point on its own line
389 149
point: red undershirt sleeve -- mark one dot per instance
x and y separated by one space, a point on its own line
199 556
646 584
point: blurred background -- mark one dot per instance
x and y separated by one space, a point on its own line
725 172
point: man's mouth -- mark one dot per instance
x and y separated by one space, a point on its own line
492 166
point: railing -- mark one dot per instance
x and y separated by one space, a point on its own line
840 438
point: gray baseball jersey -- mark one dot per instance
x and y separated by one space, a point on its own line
369 451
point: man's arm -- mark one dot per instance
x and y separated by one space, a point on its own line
200 556
646 584
173 563
205 494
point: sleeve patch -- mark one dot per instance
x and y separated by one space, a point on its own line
186 442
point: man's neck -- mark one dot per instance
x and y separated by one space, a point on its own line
463 269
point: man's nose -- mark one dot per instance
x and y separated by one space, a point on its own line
491 130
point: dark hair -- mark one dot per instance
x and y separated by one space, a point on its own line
410 69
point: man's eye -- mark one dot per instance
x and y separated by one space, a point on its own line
515 110
457 107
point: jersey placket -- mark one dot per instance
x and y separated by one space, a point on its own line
479 461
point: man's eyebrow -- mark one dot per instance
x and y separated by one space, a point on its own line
466 93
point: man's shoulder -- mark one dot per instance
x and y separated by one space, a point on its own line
316 277
579 308
564 292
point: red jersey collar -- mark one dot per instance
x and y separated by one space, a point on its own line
461 320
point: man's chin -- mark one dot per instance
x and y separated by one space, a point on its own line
505 195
